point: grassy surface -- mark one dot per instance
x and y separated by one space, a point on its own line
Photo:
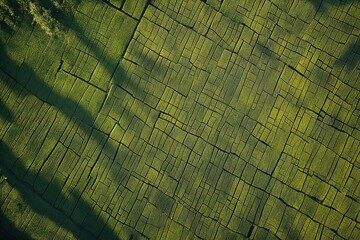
182 119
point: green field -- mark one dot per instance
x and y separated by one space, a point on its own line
169 119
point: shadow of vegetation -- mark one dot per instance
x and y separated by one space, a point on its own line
27 77
42 91
69 22
6 27
351 57
5 113
70 108
8 231
36 203
321 6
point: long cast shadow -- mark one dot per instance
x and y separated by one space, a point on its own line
70 108
67 106
351 57
37 204
322 6
42 90
5 113
9 231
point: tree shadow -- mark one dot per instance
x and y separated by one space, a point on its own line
65 105
322 6
6 28
9 231
5 113
351 57
28 79
41 90
119 78
96 225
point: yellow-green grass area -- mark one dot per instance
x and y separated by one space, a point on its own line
182 120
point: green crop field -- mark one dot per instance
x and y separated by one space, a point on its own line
180 119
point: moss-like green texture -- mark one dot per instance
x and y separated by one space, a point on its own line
182 120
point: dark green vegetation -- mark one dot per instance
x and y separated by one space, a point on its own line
41 12
166 119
